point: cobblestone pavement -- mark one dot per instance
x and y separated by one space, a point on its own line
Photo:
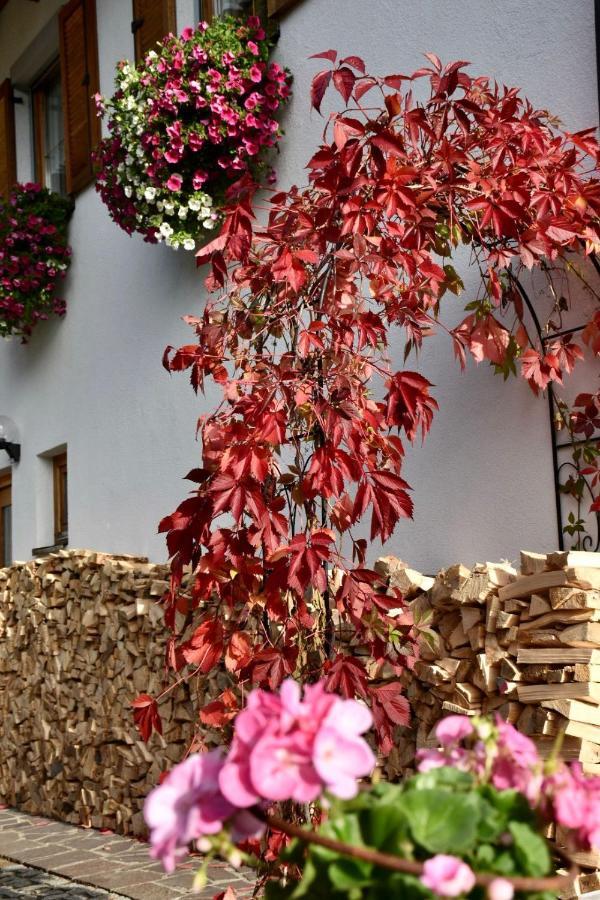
43 858
24 881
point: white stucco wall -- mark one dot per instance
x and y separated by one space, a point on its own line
94 381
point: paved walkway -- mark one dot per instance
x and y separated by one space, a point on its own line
42 858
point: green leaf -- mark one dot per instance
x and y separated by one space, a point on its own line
443 822
274 890
347 873
385 827
345 828
453 281
531 849
444 777
397 885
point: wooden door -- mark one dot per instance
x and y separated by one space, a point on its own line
5 520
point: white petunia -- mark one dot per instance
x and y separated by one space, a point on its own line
150 193
189 244
194 204
128 190
166 230
183 211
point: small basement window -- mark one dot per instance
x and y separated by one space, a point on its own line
48 131
61 507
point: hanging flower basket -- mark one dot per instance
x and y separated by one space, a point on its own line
194 118
34 255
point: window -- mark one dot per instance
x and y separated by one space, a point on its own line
48 131
5 520
8 158
210 8
152 20
80 80
61 508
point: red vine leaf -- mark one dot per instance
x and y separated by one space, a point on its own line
146 716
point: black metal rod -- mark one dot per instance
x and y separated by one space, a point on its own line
557 334
555 470
597 24
578 443
551 404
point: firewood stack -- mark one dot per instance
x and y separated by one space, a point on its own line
81 635
79 639
525 645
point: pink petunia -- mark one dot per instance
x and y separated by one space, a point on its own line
256 74
200 177
447 876
175 181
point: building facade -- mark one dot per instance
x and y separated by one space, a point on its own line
106 435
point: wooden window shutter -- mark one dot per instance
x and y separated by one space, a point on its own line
152 20
79 75
275 7
8 155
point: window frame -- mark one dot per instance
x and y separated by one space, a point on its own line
61 502
9 146
51 74
5 490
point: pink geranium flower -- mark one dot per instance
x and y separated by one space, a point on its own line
500 889
188 804
447 876
517 763
575 801
453 729
291 748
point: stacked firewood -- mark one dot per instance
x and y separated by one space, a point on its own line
79 639
525 645
81 635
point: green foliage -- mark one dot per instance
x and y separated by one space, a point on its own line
440 811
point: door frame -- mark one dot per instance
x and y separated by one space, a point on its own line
5 500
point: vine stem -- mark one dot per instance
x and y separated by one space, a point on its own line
409 866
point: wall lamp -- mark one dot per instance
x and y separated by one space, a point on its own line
9 439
